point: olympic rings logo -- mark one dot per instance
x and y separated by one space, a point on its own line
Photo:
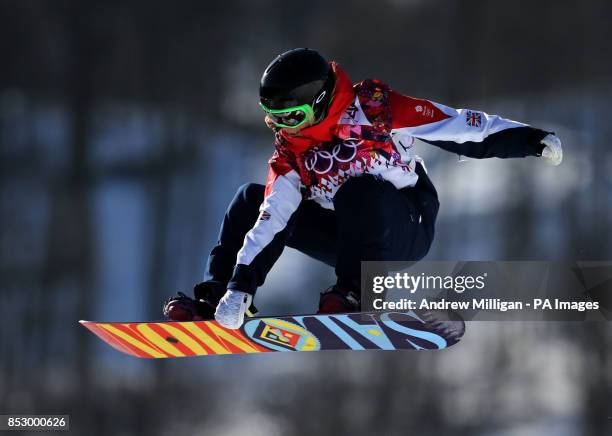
322 161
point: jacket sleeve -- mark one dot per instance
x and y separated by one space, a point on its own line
261 247
466 132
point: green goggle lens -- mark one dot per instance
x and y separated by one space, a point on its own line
290 117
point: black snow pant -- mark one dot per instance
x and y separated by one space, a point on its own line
371 221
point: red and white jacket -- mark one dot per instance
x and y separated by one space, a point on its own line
371 129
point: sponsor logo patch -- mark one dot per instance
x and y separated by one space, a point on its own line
426 111
473 119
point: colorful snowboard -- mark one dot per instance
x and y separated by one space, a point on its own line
357 331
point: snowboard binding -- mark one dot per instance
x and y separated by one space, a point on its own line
181 307
337 300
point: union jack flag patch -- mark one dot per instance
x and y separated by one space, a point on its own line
473 119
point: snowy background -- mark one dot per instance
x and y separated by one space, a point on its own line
125 129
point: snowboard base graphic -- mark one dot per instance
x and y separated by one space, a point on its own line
355 331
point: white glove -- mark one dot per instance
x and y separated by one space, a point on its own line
231 308
552 153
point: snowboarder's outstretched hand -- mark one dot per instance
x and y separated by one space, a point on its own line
231 309
552 153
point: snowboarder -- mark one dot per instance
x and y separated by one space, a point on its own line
343 185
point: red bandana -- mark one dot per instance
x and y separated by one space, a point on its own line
323 131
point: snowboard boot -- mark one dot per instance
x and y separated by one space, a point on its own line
183 308
337 300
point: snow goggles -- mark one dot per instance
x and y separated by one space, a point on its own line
290 117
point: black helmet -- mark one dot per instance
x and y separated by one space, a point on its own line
296 77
